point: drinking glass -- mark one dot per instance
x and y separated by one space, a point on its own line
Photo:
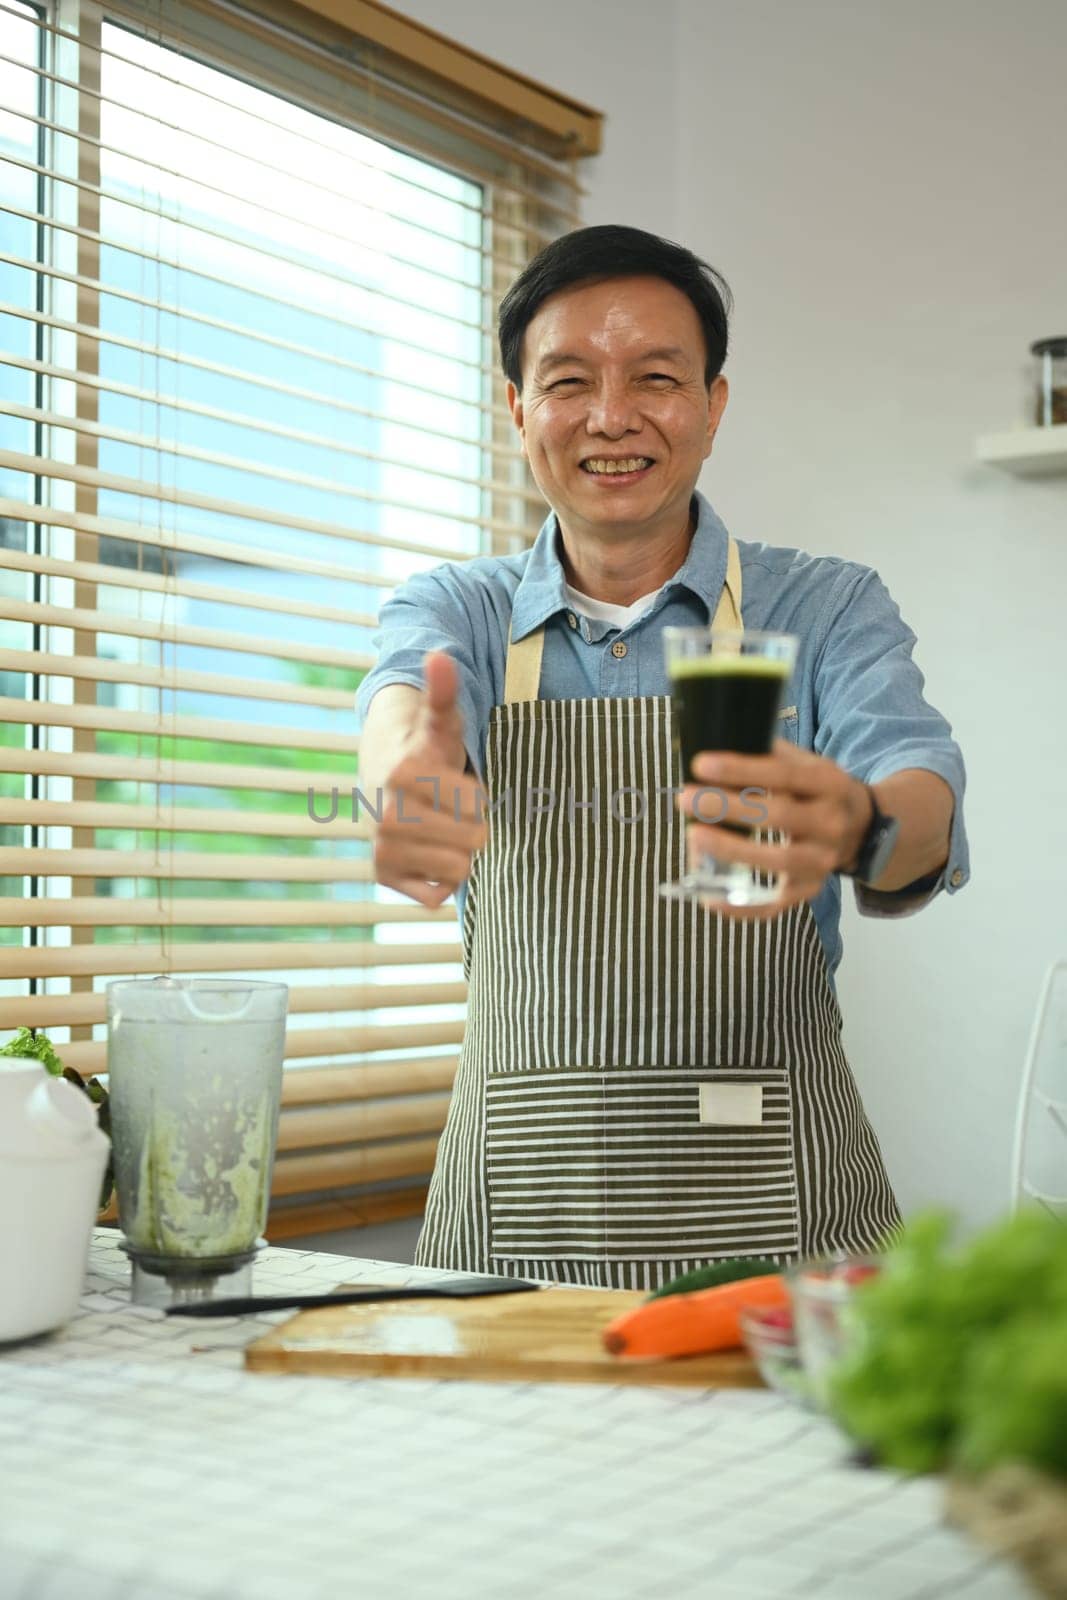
726 693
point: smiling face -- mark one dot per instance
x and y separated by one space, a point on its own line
614 414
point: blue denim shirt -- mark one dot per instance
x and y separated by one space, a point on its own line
857 693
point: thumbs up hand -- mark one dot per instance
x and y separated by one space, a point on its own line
439 725
431 823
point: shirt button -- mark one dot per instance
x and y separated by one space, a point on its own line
572 619
956 878
618 649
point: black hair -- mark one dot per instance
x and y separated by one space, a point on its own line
591 255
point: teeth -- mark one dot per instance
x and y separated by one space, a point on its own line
631 464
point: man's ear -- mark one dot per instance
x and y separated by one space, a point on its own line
718 394
514 400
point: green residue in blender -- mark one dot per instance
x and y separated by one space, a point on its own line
190 1202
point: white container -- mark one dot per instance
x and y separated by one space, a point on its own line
52 1162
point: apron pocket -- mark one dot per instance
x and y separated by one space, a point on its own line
631 1164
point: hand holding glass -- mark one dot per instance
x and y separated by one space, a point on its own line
726 693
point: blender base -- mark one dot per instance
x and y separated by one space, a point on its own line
164 1281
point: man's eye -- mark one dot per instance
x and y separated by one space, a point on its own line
659 377
561 383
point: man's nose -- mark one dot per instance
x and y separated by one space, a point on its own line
613 412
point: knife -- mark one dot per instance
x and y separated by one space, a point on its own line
459 1289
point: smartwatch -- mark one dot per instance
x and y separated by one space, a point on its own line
876 846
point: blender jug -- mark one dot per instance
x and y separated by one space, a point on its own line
195 1075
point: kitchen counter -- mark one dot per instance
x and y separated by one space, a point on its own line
139 1461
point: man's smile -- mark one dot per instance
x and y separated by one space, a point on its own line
619 469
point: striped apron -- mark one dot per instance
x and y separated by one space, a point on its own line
644 1087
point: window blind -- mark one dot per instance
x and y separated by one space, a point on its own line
249 267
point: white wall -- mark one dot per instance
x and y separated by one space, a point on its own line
617 56
883 185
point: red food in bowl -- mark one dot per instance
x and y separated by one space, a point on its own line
778 1317
854 1272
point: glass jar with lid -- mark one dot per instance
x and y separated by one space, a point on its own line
1050 386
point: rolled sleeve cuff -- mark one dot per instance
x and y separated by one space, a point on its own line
957 869
381 680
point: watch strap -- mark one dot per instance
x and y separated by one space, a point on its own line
880 830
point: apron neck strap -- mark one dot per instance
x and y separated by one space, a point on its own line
522 673
728 611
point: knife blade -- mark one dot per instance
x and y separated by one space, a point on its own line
459 1289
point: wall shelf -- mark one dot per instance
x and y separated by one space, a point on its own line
1027 452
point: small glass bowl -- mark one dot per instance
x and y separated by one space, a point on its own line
769 1339
822 1293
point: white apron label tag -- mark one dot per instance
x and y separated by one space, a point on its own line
737 1105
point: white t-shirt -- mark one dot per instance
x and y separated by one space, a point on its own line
601 611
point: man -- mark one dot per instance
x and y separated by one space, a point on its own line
644 1085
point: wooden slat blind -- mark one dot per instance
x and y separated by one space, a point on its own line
249 268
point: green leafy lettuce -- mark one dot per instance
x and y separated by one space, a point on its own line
34 1047
959 1357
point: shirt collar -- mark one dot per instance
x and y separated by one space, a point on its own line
541 592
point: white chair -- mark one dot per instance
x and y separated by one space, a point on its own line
1039 1159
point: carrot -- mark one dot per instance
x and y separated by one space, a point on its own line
691 1324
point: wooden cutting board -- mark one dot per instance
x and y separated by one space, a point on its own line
550 1336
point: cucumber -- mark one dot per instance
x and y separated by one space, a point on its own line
719 1272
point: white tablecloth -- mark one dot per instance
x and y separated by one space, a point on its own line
139 1459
